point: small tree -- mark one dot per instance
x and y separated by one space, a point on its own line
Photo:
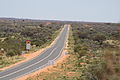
83 35
99 37
11 52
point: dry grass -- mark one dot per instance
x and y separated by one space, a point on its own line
112 57
6 61
101 65
65 70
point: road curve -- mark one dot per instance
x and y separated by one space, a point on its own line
47 58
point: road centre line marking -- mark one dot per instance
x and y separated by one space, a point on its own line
30 71
64 44
36 56
46 63
37 62
30 65
24 62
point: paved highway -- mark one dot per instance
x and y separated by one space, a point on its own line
47 58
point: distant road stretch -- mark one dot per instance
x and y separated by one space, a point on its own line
47 58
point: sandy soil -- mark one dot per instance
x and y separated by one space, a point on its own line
47 69
30 55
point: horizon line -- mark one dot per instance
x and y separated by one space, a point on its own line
57 20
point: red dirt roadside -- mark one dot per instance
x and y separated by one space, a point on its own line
46 69
27 57
30 55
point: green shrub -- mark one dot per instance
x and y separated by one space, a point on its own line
13 52
99 37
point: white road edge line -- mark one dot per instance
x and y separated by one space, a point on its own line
38 55
44 64
36 63
63 46
24 62
30 71
30 65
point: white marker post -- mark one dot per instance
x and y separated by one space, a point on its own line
51 62
28 45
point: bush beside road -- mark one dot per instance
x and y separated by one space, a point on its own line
94 54
13 37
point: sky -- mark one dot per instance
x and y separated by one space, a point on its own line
70 10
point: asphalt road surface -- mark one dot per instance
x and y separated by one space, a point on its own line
47 58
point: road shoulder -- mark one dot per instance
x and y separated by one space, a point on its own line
31 55
59 61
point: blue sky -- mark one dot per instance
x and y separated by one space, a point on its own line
72 10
